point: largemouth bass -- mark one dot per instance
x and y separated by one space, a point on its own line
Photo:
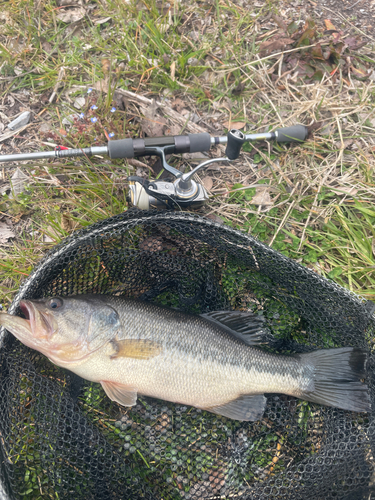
206 361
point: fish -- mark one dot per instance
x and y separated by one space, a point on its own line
211 361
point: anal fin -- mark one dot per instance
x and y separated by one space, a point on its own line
121 393
247 407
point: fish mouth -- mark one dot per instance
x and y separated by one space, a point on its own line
41 326
27 310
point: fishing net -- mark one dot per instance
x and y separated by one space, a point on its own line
61 437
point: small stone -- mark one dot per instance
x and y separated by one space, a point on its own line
193 61
194 35
326 130
19 180
19 122
69 120
45 128
79 102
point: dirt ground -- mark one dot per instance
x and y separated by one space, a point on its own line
348 15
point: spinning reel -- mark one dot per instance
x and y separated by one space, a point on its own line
184 191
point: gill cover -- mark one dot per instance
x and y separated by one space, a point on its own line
95 322
66 330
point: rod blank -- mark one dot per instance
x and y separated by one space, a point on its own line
130 148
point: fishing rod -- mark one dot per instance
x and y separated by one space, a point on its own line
184 191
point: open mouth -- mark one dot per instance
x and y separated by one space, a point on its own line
39 324
25 309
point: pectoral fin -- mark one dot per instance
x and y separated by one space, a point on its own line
136 348
244 408
121 393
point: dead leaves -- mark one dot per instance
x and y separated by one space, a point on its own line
6 233
102 85
153 124
329 25
262 198
6 21
207 183
19 182
322 52
275 45
178 104
67 222
106 65
71 15
237 125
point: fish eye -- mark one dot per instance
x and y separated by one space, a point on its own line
54 303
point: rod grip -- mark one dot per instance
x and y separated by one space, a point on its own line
296 133
122 148
129 148
199 142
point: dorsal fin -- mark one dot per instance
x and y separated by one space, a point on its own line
245 325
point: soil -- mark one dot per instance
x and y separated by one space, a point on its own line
347 15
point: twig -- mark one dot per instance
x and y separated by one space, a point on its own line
346 20
6 136
275 166
139 164
273 106
354 4
9 78
285 217
57 85
314 205
145 102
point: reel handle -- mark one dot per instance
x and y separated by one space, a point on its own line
183 191
235 141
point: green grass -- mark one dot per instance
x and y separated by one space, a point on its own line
200 54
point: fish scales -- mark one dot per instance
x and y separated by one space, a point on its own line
133 347
209 365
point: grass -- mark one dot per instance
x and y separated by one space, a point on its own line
204 58
322 192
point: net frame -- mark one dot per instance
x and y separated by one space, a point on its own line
175 246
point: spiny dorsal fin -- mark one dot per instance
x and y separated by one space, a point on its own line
136 348
244 325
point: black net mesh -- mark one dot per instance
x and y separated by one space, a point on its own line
61 437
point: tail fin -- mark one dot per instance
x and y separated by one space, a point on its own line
337 374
